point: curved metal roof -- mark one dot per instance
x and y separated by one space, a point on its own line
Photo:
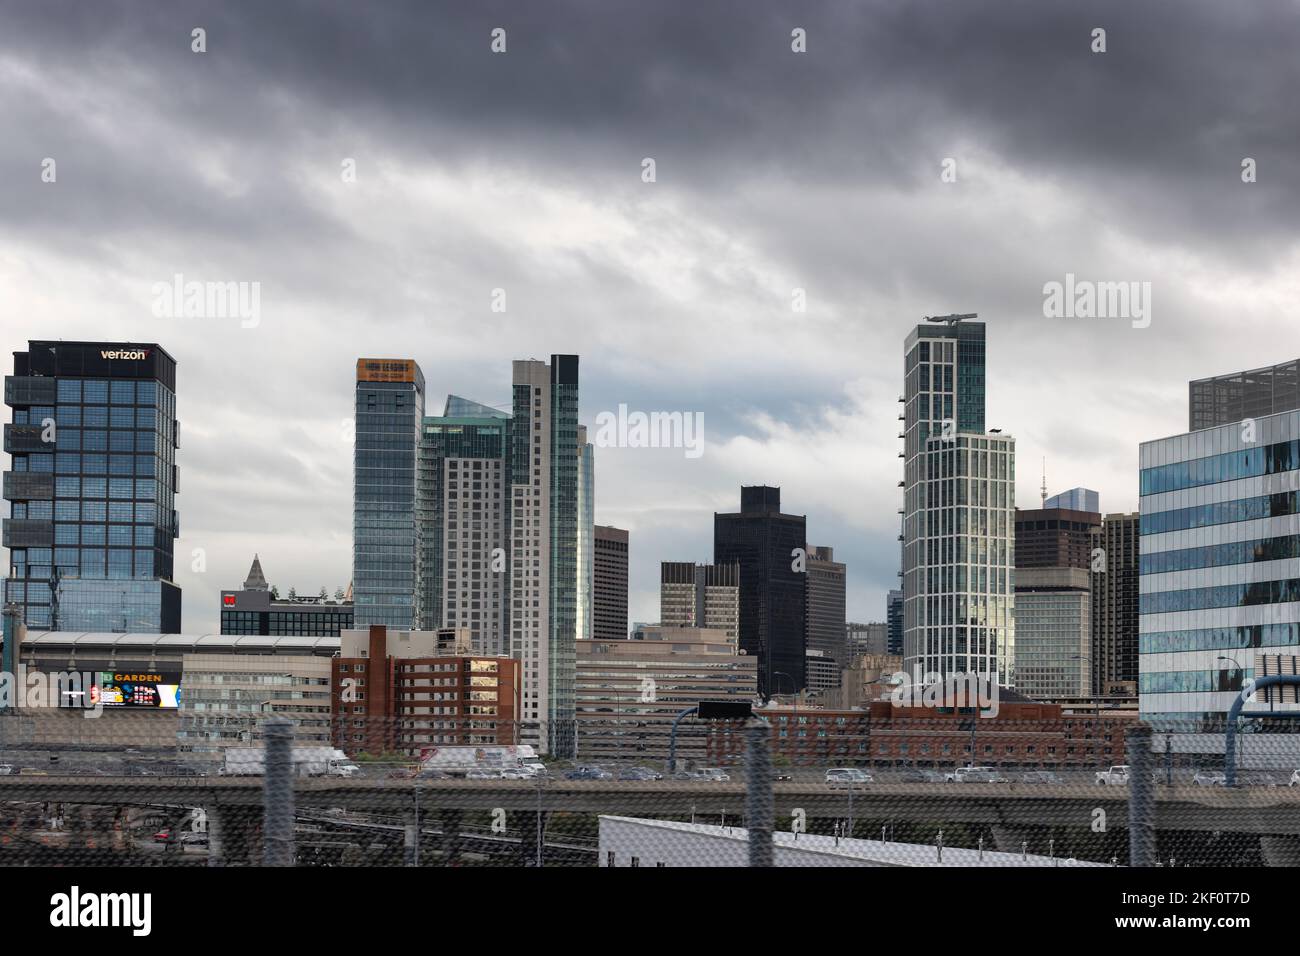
195 642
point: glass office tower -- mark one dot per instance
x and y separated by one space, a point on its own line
91 488
544 553
386 548
773 596
586 608
1219 588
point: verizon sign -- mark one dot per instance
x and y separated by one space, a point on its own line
124 354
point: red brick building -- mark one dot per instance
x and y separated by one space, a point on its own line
1024 734
399 691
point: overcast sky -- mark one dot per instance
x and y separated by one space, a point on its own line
774 171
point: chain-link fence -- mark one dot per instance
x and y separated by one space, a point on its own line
802 789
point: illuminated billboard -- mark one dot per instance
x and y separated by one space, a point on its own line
156 689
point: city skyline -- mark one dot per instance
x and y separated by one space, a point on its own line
653 284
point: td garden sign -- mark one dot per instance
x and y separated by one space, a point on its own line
89 691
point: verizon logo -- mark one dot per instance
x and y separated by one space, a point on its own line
124 353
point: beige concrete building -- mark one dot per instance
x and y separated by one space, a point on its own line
144 682
629 692
700 595
227 697
866 679
1053 632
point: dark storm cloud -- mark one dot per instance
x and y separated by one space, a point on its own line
774 170
1156 126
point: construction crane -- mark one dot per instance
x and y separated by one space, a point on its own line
952 319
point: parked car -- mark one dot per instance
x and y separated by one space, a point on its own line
431 774
588 773
6 769
1116 776
478 773
974 775
194 841
713 774
922 776
847 777
779 776
639 774
1209 778
402 773
1048 777
163 835
1295 779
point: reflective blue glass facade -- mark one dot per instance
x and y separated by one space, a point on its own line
386 545
1220 565
91 490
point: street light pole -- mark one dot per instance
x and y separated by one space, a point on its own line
1242 671
618 718
1092 685
795 718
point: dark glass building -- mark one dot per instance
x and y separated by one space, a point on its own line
1055 538
609 588
386 548
1115 581
91 488
1225 399
894 618
762 541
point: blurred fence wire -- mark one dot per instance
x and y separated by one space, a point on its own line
799 791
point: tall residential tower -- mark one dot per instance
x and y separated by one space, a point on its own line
464 527
959 504
544 467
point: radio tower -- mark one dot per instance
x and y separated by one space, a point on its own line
1044 490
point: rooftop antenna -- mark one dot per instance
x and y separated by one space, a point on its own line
1044 491
953 318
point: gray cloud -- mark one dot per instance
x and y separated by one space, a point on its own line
775 171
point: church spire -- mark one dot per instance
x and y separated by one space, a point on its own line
256 580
